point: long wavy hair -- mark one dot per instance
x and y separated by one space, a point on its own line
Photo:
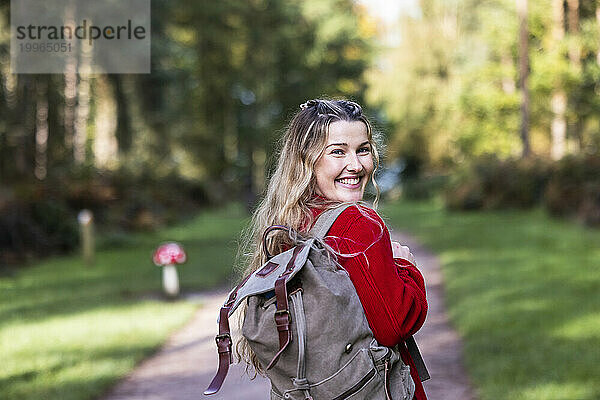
291 192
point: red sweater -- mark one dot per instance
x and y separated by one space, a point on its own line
392 291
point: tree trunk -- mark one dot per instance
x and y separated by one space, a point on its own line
105 142
123 129
573 24
524 75
9 88
574 130
82 110
24 127
41 129
559 97
598 24
70 103
559 124
70 88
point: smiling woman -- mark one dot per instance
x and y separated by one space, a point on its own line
345 166
329 153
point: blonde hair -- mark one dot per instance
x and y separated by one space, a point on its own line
291 193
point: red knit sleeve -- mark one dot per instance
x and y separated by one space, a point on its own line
392 295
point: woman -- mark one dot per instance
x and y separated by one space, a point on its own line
328 155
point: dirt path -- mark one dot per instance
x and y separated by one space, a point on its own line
185 365
183 368
439 344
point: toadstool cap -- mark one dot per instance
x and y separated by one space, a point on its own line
169 253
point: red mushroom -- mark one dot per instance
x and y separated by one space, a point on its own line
166 256
169 253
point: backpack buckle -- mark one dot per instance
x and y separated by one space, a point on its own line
282 318
221 346
222 336
283 312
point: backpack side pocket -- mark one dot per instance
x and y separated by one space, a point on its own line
399 381
358 379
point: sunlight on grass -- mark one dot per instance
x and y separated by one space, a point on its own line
68 331
585 327
105 341
556 391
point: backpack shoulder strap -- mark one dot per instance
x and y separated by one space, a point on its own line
415 354
326 220
224 342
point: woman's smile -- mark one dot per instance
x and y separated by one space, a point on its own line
349 182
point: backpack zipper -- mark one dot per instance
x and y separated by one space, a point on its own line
386 379
356 387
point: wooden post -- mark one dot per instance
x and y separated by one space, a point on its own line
86 229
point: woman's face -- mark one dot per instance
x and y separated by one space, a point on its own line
345 166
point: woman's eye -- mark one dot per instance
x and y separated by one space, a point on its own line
338 152
364 150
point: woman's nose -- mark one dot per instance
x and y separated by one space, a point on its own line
354 164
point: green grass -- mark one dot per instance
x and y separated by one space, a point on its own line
68 331
523 291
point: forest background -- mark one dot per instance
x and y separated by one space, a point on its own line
490 103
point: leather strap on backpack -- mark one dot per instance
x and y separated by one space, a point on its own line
282 314
415 354
224 342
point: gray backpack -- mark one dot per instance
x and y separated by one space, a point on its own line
305 323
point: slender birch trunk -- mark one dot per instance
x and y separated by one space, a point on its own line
573 25
524 75
105 144
575 126
598 24
82 109
559 97
41 129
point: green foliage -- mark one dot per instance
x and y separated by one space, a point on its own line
68 331
567 188
449 89
490 183
490 122
147 202
56 220
224 77
38 219
253 64
35 227
521 290
423 187
450 92
201 128
574 189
